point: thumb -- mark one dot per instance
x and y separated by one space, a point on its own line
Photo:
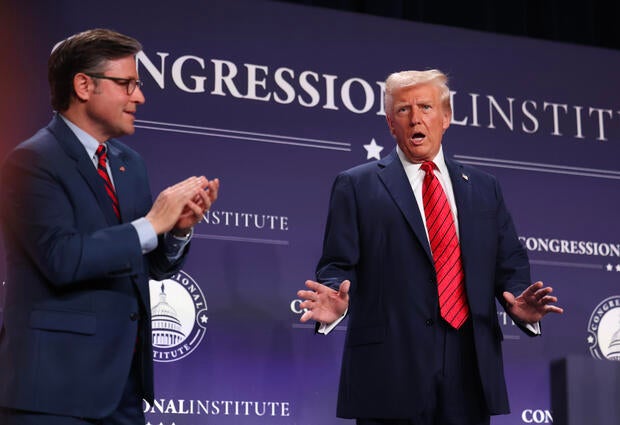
510 298
343 290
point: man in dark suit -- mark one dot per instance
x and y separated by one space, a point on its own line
423 342
83 236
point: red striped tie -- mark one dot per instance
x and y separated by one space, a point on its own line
103 172
445 248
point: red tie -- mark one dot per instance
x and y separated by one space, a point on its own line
103 172
445 248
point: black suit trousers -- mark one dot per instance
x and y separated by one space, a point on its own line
458 395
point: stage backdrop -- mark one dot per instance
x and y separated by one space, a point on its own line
275 100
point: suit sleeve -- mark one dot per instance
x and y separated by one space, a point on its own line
512 267
43 215
512 264
341 241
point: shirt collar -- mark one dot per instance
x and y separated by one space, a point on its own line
415 167
89 142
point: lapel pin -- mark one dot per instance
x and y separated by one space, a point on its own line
122 169
465 177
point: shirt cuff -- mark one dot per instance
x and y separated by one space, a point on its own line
146 234
534 328
174 245
326 328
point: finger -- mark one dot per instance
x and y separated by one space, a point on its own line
544 291
315 286
344 288
554 309
307 295
306 305
195 209
191 184
531 290
548 300
509 298
306 316
214 187
203 200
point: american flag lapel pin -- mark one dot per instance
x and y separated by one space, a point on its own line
465 177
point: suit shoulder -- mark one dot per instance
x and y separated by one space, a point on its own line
361 170
473 172
42 140
42 145
124 149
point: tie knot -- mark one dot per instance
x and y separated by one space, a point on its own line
101 152
428 167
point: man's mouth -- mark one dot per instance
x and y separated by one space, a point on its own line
418 137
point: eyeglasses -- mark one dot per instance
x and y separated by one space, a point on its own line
129 83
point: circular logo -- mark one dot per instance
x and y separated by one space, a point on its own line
604 329
179 317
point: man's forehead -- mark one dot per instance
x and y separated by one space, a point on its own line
406 97
423 89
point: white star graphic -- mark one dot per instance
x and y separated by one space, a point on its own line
373 149
204 318
610 267
590 339
618 267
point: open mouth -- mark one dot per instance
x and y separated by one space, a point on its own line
418 137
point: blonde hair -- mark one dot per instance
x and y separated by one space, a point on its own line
403 79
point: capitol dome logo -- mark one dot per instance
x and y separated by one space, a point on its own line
179 317
604 329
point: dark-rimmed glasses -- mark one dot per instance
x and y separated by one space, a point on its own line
129 83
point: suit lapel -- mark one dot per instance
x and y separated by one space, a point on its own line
393 176
462 187
75 150
121 176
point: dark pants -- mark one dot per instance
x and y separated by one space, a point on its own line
128 412
458 390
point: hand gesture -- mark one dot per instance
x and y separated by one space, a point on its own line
322 303
532 304
171 203
194 210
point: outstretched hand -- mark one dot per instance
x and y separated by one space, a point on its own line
533 303
322 303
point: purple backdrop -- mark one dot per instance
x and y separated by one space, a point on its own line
274 100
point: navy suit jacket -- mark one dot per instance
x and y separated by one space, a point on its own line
77 291
375 237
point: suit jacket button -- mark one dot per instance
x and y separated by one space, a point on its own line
134 316
429 322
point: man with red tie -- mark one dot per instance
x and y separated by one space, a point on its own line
82 237
417 249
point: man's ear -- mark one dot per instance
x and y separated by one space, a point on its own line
447 119
82 85
390 125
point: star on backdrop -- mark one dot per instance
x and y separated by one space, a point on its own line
373 150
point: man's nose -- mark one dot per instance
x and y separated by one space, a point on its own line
137 96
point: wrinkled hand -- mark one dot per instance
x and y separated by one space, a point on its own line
322 303
171 202
194 210
534 303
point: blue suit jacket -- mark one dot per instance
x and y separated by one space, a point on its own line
375 237
77 280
